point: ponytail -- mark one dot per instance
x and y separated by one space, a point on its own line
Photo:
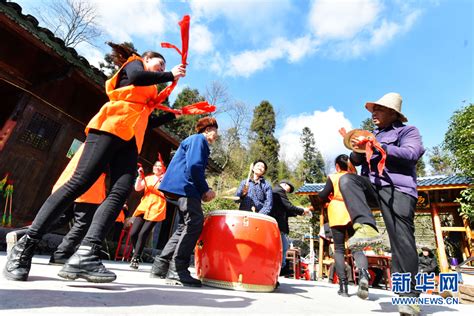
122 52
345 164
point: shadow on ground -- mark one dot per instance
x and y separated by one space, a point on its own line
116 296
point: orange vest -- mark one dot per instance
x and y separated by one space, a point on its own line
126 114
121 217
337 211
95 194
153 203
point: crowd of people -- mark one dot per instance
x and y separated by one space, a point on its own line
114 140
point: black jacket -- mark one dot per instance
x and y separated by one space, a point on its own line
427 264
282 209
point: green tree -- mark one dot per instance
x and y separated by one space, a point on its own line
368 125
440 161
459 140
313 163
283 171
263 144
185 124
421 168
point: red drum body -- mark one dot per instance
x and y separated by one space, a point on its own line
239 250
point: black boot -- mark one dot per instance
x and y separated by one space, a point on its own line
159 269
59 257
363 290
343 291
86 264
181 277
18 263
134 262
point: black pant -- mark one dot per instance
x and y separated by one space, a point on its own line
141 229
101 149
398 211
180 247
339 237
83 214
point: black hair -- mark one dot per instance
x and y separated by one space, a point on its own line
264 163
121 52
152 54
343 162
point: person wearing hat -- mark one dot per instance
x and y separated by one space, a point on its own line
427 261
185 185
393 191
255 193
281 210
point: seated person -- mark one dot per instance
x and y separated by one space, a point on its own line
427 261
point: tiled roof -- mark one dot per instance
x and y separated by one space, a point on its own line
422 182
30 24
443 180
311 188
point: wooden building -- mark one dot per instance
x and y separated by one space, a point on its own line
436 196
49 93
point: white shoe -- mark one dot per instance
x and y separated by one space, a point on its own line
11 238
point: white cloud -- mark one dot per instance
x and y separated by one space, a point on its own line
323 124
201 41
124 20
250 61
331 19
352 28
91 53
246 20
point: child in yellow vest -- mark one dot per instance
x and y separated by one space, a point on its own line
340 223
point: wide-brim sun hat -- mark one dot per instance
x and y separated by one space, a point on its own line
392 101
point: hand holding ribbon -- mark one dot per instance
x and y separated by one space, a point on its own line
370 143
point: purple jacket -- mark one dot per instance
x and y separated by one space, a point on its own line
404 147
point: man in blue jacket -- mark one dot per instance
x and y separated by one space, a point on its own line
185 185
393 191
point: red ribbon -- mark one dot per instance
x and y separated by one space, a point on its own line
192 109
163 168
369 152
196 108
165 93
184 25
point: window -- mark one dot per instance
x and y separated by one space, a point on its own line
41 132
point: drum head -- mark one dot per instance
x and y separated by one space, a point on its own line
238 213
354 134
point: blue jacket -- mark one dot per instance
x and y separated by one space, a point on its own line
185 173
259 195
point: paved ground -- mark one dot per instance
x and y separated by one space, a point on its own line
134 293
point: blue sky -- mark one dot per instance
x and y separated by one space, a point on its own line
317 62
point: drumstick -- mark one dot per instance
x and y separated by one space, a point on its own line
231 190
250 173
228 197
5 212
10 217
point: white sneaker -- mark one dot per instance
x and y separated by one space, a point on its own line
11 238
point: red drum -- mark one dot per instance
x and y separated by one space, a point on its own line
239 250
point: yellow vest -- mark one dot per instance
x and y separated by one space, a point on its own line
337 211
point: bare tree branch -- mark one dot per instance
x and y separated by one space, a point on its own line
74 21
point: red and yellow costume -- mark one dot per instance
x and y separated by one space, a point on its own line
337 211
153 203
95 194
